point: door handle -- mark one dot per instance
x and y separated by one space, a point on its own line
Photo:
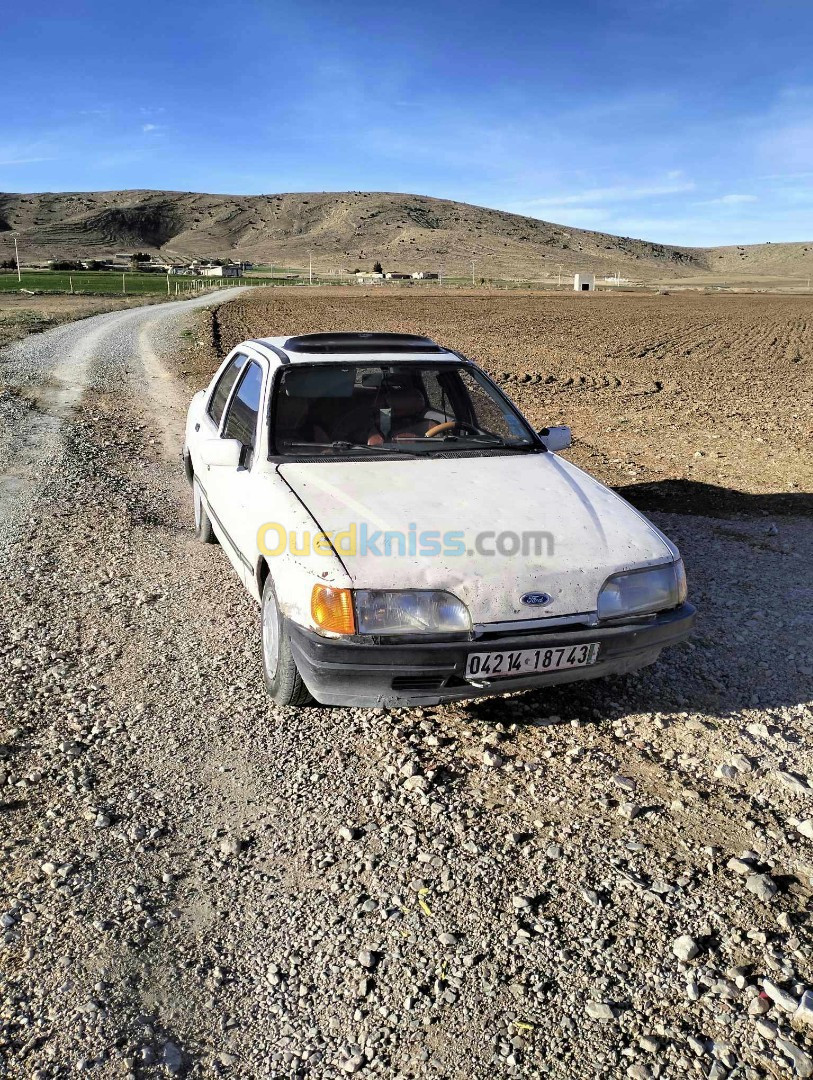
197 427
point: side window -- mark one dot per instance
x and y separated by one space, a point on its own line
241 419
217 402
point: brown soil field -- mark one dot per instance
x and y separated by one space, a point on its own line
690 403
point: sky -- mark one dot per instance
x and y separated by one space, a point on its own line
680 121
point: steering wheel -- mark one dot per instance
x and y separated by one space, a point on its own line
448 425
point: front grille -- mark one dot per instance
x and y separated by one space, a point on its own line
532 632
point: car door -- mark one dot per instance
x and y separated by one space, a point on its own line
228 486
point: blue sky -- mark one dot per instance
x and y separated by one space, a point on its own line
673 120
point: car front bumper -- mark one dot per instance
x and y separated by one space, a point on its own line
353 671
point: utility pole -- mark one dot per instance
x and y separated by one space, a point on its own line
560 276
472 268
17 257
310 266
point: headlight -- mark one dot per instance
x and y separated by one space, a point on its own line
412 612
637 592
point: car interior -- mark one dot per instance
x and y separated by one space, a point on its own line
374 406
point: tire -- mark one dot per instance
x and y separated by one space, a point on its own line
203 526
282 679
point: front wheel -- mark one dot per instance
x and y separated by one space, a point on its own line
282 679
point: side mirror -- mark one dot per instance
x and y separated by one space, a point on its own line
556 438
224 452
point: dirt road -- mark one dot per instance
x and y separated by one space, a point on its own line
196 883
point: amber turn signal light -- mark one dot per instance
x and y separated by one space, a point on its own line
332 609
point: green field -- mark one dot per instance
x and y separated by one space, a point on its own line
105 283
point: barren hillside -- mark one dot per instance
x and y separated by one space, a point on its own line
346 230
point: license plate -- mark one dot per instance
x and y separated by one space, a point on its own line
493 665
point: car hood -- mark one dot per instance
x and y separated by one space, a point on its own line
463 524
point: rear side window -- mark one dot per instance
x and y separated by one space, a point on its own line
241 419
218 400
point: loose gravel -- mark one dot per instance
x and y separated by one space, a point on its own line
609 880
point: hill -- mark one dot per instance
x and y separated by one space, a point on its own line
346 230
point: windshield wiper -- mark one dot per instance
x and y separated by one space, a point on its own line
481 440
491 440
343 444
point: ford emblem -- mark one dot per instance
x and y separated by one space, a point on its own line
536 599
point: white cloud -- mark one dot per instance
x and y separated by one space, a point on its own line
729 200
618 193
149 127
789 178
27 153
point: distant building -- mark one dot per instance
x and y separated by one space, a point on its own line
219 271
584 282
176 270
398 277
425 275
368 279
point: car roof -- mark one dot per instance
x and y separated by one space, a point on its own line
353 346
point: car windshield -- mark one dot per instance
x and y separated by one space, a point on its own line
414 408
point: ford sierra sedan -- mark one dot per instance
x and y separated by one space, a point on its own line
408 535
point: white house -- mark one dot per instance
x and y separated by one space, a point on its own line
425 275
584 282
219 271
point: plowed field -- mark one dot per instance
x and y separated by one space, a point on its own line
695 403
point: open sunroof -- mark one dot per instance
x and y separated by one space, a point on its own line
343 342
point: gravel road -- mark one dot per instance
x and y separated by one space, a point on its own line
611 880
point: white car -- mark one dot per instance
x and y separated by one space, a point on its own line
409 537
